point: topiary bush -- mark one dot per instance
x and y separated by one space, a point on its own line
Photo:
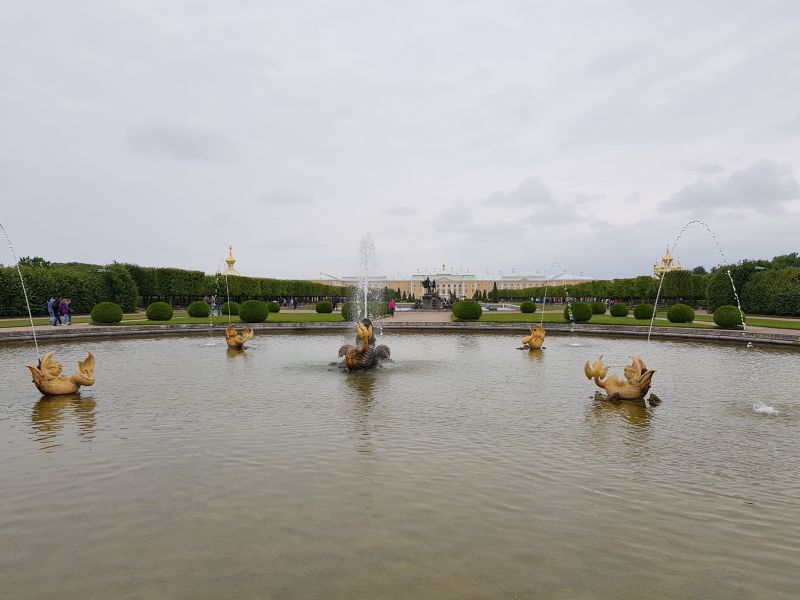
643 311
467 310
230 308
680 313
598 308
159 311
274 307
107 312
620 309
728 316
324 306
253 311
348 313
581 311
527 307
199 309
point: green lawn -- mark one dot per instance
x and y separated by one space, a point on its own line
493 317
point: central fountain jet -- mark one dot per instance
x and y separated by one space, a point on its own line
364 355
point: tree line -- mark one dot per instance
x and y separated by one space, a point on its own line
133 286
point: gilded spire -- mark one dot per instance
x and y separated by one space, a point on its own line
230 260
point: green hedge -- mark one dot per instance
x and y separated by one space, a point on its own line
274 307
230 308
581 312
773 292
728 316
159 311
620 309
598 308
107 312
348 314
253 311
200 308
467 310
680 313
324 307
528 307
643 311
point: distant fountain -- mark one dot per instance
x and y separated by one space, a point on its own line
671 251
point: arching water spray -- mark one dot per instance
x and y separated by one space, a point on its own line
215 298
24 291
566 298
724 262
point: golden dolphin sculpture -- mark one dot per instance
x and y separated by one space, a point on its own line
638 378
535 340
366 354
236 339
48 379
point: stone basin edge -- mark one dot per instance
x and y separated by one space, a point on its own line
125 331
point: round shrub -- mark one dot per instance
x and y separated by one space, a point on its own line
324 306
620 309
680 313
253 311
199 309
527 307
598 308
274 307
728 315
159 311
348 312
467 309
107 312
230 308
643 311
581 311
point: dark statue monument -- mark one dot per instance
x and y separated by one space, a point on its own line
430 299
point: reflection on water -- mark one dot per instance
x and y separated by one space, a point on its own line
48 416
362 383
535 355
237 353
635 413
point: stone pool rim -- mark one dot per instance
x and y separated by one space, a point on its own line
784 339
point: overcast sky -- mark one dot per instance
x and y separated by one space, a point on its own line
483 135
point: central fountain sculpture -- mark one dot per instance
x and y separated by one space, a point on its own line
236 339
365 354
638 378
49 381
535 340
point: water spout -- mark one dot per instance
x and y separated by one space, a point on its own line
24 291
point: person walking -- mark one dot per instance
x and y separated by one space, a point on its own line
51 310
57 310
392 306
65 310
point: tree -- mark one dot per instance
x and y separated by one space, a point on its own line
34 261
495 295
699 270
785 261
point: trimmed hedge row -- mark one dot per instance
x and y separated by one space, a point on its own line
643 311
159 311
728 316
527 307
253 311
619 309
581 312
680 313
200 308
230 308
324 307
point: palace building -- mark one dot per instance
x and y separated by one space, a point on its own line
462 284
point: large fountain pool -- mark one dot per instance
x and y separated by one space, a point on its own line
467 469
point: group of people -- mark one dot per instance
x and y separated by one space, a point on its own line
60 311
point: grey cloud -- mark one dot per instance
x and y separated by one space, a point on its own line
179 142
530 192
555 215
763 186
283 198
454 219
706 169
792 126
400 210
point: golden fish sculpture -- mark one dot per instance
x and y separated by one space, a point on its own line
638 378
366 354
48 379
236 339
535 340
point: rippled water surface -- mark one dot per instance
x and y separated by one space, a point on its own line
466 469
